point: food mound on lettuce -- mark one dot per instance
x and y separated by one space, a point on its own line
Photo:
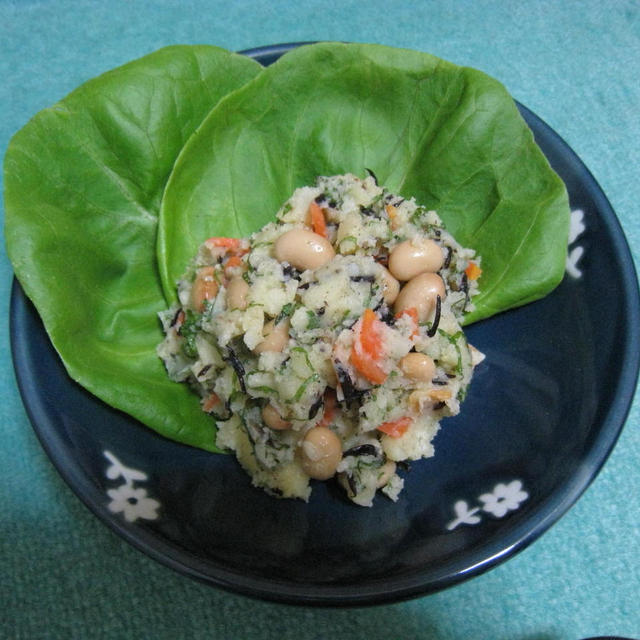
328 344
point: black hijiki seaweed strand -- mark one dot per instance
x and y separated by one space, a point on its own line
361 450
315 407
436 319
233 360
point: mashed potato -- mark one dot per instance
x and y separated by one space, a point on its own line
328 343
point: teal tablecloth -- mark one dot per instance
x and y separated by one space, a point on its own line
63 574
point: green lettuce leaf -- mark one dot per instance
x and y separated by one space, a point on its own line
83 184
449 136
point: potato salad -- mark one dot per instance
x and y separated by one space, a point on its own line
327 346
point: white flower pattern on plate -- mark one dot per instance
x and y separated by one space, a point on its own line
464 515
117 470
576 228
503 498
133 502
508 497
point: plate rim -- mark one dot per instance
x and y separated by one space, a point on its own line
416 584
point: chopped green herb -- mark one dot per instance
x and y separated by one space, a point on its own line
345 315
189 330
348 244
263 389
451 337
306 356
301 389
313 321
285 312
454 340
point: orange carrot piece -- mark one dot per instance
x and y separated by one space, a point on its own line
392 213
330 406
473 271
367 367
318 222
229 245
367 348
370 333
233 261
395 428
210 402
226 243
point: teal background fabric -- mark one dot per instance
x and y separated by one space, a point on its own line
63 574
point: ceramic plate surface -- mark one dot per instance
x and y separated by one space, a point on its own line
541 417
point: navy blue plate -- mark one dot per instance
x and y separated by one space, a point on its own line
543 413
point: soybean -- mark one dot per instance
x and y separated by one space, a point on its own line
275 335
390 287
418 366
273 419
303 249
420 293
205 287
321 452
237 291
413 257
